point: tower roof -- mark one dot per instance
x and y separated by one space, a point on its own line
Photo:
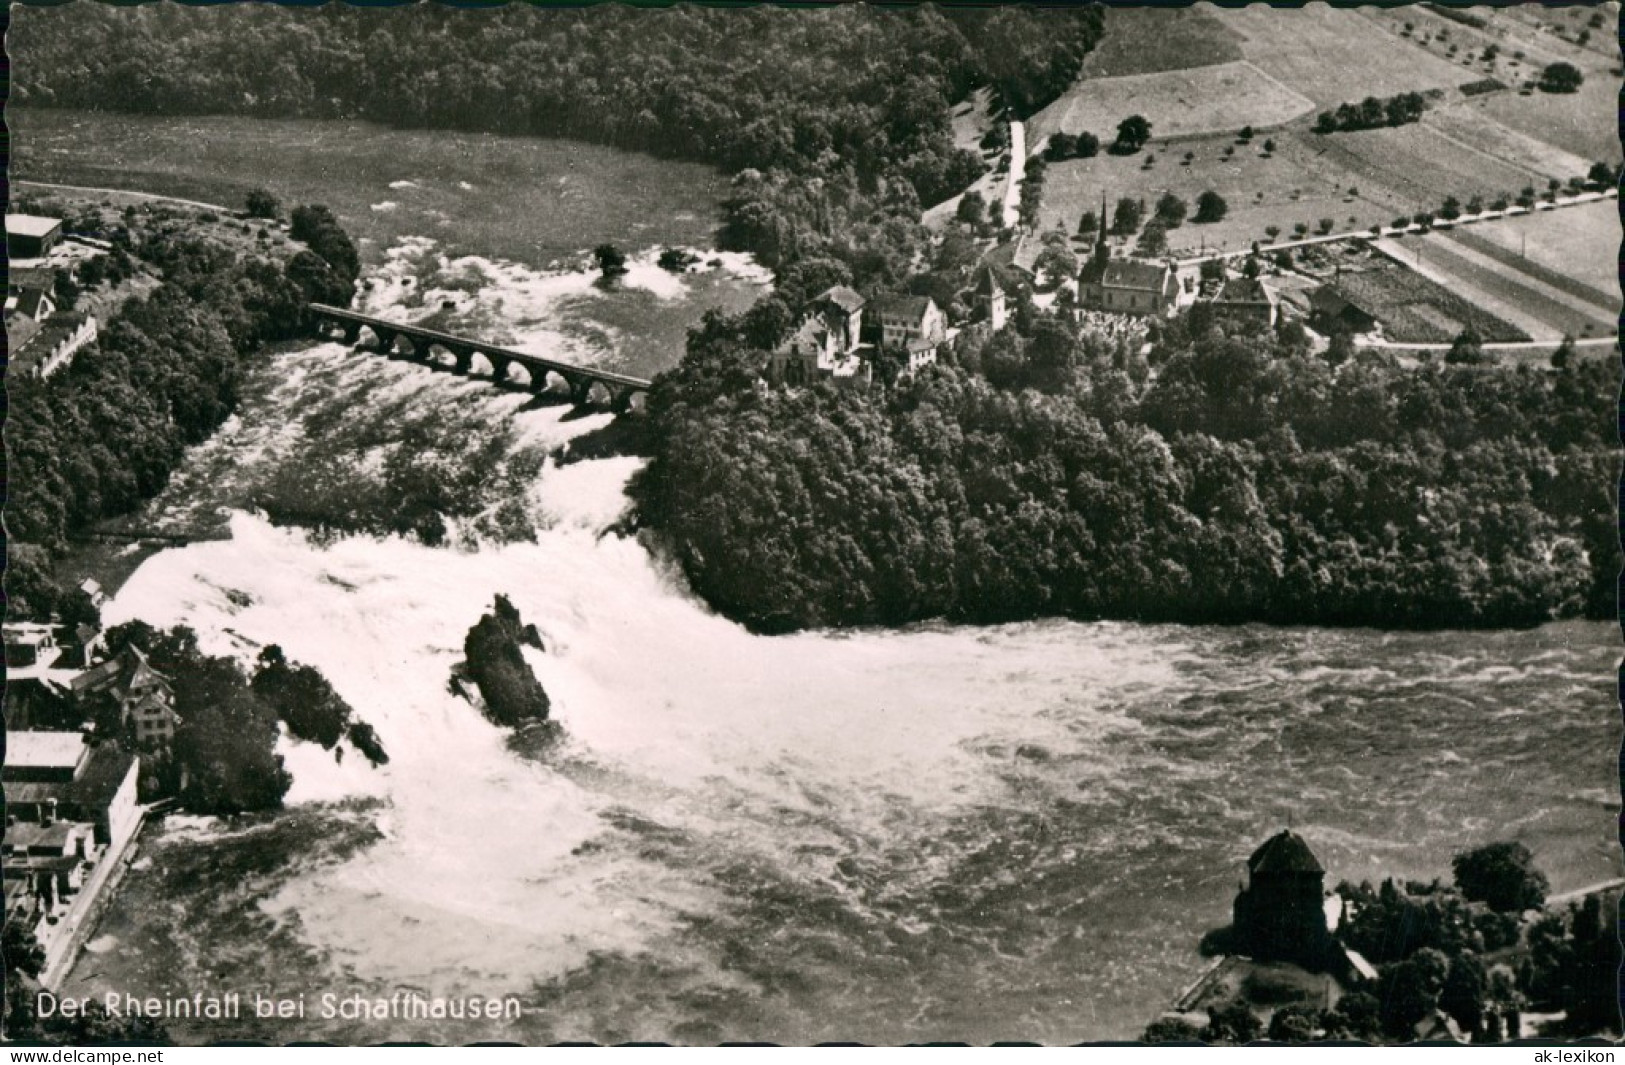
1284 852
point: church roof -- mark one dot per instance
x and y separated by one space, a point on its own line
1125 274
1284 852
843 297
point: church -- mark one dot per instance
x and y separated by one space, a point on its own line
1125 286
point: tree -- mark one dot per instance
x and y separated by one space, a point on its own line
972 209
1061 146
611 260
1465 992
1294 1024
1170 211
1356 1016
1269 145
1087 146
1466 350
1171 1030
1057 261
1211 207
1503 875
1126 217
1450 210
1561 77
1326 225
1564 353
1235 1024
261 204
20 949
1153 240
1088 222
1132 134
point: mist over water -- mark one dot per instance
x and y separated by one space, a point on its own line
1016 832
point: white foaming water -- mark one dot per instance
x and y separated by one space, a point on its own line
669 710
525 308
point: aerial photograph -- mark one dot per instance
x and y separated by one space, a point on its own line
707 524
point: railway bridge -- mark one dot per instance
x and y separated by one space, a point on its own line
585 384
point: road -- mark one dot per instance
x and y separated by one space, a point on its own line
1018 170
129 192
1396 231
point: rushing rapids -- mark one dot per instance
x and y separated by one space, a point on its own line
1017 832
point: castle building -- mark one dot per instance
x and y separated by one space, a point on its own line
1280 913
825 344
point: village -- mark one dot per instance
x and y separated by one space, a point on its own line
73 808
1368 289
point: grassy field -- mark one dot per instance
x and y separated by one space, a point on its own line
1333 55
1178 103
1579 243
1148 40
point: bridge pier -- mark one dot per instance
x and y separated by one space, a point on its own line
499 367
580 390
464 357
386 340
352 332
620 400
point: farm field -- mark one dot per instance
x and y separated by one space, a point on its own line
1525 42
1333 55
1578 243
1489 145
1543 311
1416 310
1147 40
1178 103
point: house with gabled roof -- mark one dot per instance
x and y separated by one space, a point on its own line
1126 286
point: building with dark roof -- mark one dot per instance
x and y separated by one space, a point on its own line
30 236
902 319
824 344
144 699
1331 310
48 775
1280 913
1248 299
988 288
1125 286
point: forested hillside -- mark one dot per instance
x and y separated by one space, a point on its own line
99 437
842 113
1245 479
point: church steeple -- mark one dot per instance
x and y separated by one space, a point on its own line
1103 251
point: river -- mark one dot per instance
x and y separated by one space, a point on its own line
952 833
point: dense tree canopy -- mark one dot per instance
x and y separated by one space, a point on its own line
1243 478
101 436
